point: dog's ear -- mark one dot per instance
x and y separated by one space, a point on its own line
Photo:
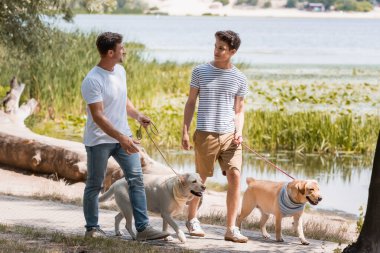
301 186
183 178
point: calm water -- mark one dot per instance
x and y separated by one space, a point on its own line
269 42
264 40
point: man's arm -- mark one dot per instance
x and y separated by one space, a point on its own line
97 112
188 116
239 119
135 114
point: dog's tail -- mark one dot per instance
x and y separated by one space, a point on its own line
250 181
108 194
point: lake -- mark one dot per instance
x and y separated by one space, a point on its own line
264 40
280 47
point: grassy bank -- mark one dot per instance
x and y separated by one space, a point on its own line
38 240
159 90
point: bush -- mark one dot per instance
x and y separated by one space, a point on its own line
291 4
267 4
364 6
224 2
247 2
352 5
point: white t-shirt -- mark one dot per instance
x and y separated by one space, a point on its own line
109 87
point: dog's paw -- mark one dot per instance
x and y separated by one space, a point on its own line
181 236
280 239
304 242
168 238
266 236
119 233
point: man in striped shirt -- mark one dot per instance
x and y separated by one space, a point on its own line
221 88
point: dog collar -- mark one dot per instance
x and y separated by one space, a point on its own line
287 206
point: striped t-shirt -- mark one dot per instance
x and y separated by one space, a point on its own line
217 91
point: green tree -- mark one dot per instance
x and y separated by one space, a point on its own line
23 23
27 24
368 240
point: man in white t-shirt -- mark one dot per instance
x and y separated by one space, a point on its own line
221 88
107 134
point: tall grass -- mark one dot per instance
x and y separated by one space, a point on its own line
54 78
309 132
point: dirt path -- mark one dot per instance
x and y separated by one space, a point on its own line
69 219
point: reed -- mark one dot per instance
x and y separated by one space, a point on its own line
54 77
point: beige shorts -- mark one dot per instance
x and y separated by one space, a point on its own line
210 147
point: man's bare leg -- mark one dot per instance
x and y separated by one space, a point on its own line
192 223
233 200
233 196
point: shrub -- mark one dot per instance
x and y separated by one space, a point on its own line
267 4
224 2
246 2
291 4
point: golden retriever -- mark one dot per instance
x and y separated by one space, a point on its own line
280 199
166 195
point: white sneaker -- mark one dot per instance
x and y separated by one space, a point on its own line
233 234
194 227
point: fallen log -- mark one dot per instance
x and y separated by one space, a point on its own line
21 148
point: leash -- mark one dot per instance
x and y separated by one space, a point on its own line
266 160
153 130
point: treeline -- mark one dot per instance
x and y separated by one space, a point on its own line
110 6
141 6
329 5
338 5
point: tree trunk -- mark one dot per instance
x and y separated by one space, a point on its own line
369 238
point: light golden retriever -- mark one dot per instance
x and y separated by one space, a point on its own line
280 199
149 166
166 195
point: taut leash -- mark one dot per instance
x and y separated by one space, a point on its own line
266 160
154 130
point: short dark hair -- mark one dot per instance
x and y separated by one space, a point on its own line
108 41
230 37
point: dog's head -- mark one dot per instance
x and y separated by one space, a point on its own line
303 191
193 182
